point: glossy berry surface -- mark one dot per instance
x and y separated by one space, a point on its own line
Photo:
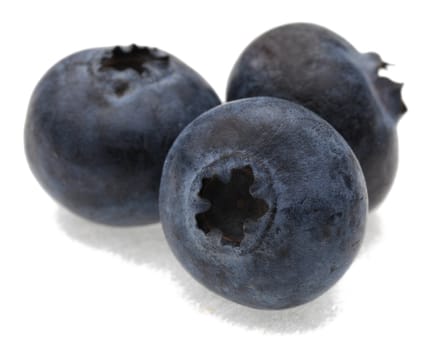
271 212
317 68
100 123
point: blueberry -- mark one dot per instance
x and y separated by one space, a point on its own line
317 68
263 202
99 126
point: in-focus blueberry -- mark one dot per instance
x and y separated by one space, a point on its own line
263 202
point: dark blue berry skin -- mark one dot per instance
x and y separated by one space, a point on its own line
263 202
317 68
100 124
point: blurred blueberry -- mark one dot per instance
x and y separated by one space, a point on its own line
100 124
317 68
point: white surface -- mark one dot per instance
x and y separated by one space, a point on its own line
70 284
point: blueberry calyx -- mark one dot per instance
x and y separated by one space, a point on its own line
390 92
231 205
134 57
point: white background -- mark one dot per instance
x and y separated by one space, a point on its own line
66 283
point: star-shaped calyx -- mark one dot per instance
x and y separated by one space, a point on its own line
134 57
231 205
